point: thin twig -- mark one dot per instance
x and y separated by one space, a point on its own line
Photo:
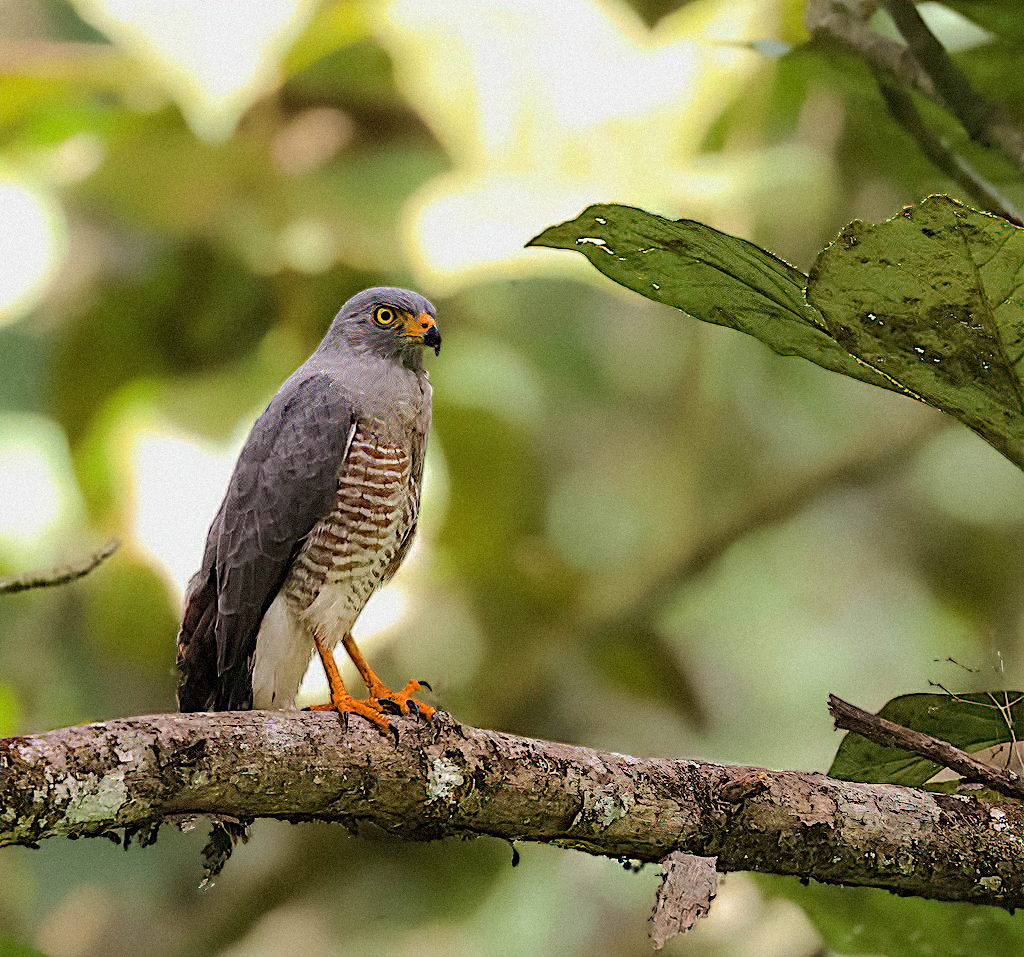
60 575
974 113
942 155
922 65
891 735
1005 709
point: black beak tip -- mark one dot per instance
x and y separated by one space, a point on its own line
432 338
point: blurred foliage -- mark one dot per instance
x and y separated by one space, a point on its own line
586 445
862 920
10 948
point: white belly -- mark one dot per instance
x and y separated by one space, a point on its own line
283 649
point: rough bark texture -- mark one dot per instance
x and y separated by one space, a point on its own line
449 779
688 886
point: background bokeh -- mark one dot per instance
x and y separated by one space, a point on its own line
639 532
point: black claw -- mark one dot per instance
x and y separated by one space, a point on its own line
389 705
414 706
424 684
394 731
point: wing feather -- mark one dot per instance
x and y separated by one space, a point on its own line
284 482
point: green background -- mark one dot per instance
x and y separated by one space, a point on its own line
639 532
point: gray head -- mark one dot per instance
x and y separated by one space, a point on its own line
387 322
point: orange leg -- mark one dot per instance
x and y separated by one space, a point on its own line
341 701
380 696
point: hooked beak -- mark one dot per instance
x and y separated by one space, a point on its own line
424 328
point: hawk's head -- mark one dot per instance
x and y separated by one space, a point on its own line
388 322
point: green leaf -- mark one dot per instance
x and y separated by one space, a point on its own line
971 722
927 304
932 297
710 275
868 920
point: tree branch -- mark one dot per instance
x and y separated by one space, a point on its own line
846 22
921 65
447 779
58 576
974 113
942 155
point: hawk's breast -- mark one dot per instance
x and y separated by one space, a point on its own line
360 543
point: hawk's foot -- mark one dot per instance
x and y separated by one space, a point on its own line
345 704
380 696
400 702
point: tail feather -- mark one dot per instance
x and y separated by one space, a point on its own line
201 686
197 649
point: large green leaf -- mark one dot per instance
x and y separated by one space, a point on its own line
926 304
933 298
972 722
710 275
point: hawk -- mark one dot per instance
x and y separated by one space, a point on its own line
319 513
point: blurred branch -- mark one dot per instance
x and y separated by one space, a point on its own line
61 575
983 121
921 64
450 780
891 735
846 21
943 157
862 467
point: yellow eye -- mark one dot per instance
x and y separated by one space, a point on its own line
384 315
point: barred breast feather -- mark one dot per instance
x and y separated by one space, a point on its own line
360 543
349 553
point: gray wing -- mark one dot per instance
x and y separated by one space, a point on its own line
283 483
